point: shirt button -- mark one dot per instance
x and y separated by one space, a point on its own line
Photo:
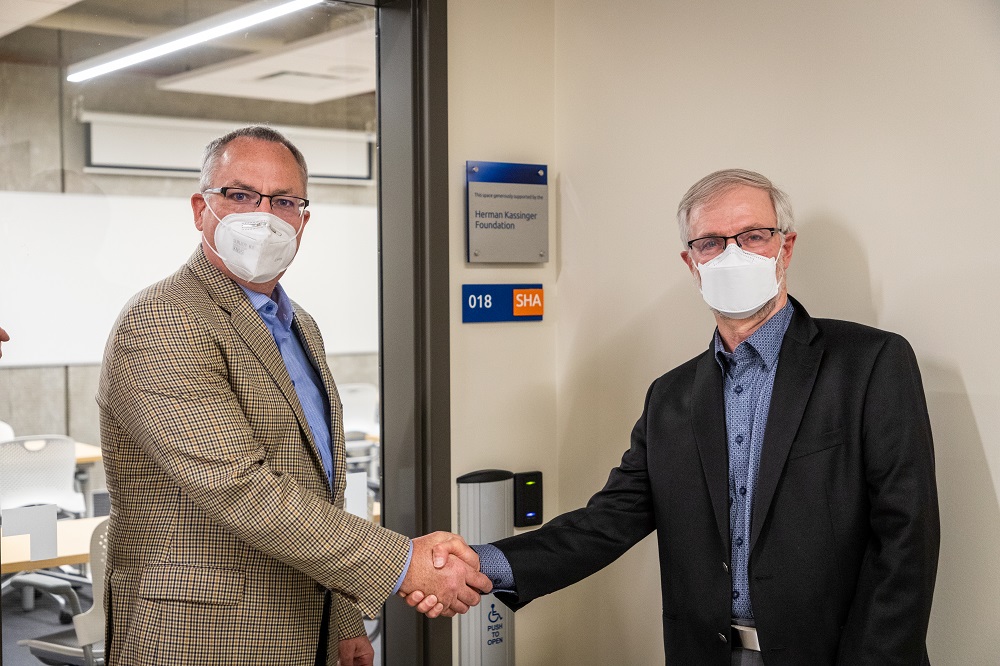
743 490
739 541
725 567
738 390
736 594
722 637
739 439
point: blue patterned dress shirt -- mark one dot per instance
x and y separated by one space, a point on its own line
748 380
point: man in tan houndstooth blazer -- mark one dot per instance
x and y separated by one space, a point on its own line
227 542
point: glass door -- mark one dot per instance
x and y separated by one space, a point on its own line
96 175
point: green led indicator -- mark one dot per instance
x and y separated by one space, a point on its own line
529 483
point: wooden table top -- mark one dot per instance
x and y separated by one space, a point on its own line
73 546
87 453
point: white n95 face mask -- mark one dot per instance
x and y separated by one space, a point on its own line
738 283
256 246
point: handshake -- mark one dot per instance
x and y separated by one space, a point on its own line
443 578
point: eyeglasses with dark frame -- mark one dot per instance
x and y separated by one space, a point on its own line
244 199
751 240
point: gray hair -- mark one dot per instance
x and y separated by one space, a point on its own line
261 132
720 182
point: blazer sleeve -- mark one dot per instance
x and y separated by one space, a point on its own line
577 544
887 622
171 391
349 621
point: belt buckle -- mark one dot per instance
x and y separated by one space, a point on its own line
748 637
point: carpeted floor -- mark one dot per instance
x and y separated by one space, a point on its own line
44 619
18 624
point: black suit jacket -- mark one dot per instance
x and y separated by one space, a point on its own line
844 536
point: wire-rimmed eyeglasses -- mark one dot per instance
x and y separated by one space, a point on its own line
243 199
751 240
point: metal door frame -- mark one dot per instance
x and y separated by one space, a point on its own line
414 288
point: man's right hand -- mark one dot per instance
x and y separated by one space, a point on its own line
428 604
448 572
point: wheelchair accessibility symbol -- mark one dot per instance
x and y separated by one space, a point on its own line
493 615
494 628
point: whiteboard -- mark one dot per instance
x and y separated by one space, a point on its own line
69 262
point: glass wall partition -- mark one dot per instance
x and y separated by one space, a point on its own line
96 177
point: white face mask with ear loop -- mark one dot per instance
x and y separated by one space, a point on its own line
256 246
738 283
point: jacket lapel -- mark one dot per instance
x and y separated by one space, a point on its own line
248 324
312 343
798 365
708 418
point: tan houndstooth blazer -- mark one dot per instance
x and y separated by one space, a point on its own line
224 533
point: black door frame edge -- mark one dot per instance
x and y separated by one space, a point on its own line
414 288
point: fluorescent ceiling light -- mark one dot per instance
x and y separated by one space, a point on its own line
189 35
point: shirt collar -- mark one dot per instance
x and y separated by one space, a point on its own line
267 307
765 341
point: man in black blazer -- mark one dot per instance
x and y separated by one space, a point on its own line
788 471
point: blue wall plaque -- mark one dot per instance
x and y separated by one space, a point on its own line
502 302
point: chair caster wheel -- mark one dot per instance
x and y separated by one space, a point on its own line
65 617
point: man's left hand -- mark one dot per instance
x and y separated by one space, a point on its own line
356 652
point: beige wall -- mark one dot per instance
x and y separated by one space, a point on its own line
501 109
880 120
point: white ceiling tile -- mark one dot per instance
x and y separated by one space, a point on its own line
328 66
19 13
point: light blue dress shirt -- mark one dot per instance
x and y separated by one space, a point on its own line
748 380
278 317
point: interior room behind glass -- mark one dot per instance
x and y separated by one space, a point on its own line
96 179
80 238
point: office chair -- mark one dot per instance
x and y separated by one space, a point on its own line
83 645
360 402
40 469
361 427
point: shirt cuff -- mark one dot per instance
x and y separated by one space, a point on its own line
494 565
406 568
